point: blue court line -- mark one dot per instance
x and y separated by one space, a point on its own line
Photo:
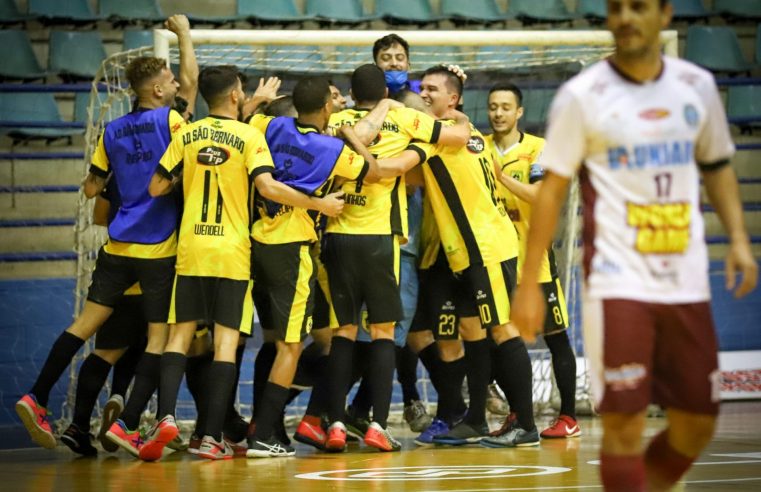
38 256
41 124
40 189
10 156
37 222
37 87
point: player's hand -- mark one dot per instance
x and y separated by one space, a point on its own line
528 310
178 24
332 204
455 69
740 260
393 103
268 90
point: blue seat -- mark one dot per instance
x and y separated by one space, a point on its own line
715 48
19 62
338 11
481 11
475 103
744 105
268 12
81 103
531 11
134 39
75 54
594 10
38 108
689 9
405 11
744 9
9 13
758 44
536 105
57 11
131 10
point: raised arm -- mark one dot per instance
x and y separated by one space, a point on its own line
723 193
188 78
265 93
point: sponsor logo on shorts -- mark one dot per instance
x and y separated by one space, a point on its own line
625 377
552 298
480 295
448 306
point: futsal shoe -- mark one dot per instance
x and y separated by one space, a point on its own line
437 428
193 444
130 441
271 448
416 416
356 425
178 444
35 418
510 422
336 440
239 448
310 432
563 426
112 410
164 431
381 438
516 438
495 402
79 441
463 433
211 449
236 428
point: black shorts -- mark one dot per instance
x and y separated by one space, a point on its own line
364 270
285 279
489 288
212 300
437 302
323 316
114 274
126 327
556 319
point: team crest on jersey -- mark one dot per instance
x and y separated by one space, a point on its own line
476 144
654 114
213 156
691 115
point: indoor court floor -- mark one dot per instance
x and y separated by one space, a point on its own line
731 462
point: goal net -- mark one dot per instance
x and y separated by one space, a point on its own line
538 61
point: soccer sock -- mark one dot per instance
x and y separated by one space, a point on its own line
451 405
514 365
263 363
664 465
381 378
196 377
146 381
222 374
406 373
307 367
360 361
270 410
124 370
564 367
431 360
363 398
232 412
63 350
172 369
92 375
622 473
318 400
478 368
339 376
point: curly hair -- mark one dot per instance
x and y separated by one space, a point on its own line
142 69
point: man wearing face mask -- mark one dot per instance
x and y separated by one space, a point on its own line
392 54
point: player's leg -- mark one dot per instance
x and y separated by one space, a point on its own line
235 429
200 355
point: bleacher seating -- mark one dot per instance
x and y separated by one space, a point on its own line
131 11
716 48
38 109
531 11
135 38
338 11
10 14
744 106
63 12
267 11
481 11
405 11
19 62
690 10
75 54
593 10
739 9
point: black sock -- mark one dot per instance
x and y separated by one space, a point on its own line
381 378
222 374
451 406
431 360
363 398
263 363
232 412
339 376
146 381
172 370
124 369
406 373
478 369
61 353
92 376
308 366
564 367
514 365
360 361
318 400
197 377
270 410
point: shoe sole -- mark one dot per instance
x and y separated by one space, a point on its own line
424 444
75 447
116 439
29 419
463 442
567 436
111 412
309 442
254 453
489 444
335 446
215 457
153 450
381 446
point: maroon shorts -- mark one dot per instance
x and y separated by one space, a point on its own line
659 353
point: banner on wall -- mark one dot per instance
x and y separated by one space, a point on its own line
740 374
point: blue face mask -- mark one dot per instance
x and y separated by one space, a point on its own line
395 80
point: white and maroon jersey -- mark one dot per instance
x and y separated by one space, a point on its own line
639 147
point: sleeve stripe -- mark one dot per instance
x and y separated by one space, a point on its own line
436 133
362 174
713 166
161 170
98 171
261 170
419 152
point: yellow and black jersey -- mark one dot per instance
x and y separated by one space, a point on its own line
381 208
472 221
219 158
286 224
430 241
520 162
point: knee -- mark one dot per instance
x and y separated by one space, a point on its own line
622 433
471 329
346 331
419 340
110 356
503 333
384 331
450 350
689 434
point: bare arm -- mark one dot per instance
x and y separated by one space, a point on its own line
265 93
458 134
93 185
351 138
188 78
100 211
368 127
160 185
525 191
271 189
723 193
392 167
414 177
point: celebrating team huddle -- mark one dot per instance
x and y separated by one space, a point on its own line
389 232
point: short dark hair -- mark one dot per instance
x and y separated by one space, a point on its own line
142 69
311 94
453 81
282 106
368 83
388 41
509 87
216 82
